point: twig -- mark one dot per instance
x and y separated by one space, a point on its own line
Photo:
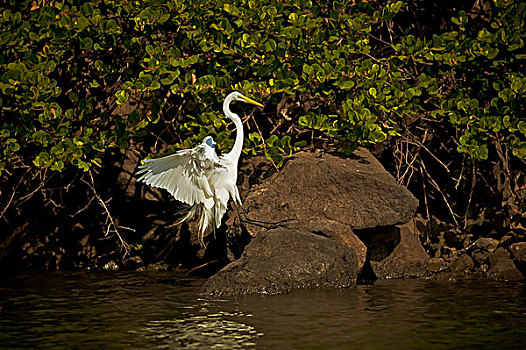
128 228
440 191
473 182
13 194
43 180
202 265
280 122
468 247
418 143
460 175
379 39
410 164
109 217
425 193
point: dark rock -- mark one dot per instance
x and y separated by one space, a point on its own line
519 252
500 254
505 272
444 276
481 257
434 231
436 265
355 191
396 252
133 262
483 268
126 178
158 266
486 243
463 265
341 233
281 260
507 240
111 266
502 267
88 249
323 227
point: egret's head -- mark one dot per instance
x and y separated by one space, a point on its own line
209 141
237 96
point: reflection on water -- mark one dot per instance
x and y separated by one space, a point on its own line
163 310
216 331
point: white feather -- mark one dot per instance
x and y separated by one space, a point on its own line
198 177
183 174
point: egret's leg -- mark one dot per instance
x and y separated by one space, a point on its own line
246 219
261 223
238 212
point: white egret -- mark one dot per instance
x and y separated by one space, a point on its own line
198 176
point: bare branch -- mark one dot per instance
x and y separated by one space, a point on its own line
473 182
13 195
435 184
109 217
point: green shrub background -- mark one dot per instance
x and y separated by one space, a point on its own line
65 66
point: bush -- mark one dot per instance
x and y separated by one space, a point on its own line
64 67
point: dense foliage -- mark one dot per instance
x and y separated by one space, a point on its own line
66 67
79 78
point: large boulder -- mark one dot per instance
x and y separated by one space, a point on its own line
463 265
281 260
502 267
396 252
519 254
357 192
339 232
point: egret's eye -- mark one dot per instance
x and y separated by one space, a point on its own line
210 142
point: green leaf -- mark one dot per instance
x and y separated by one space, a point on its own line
150 50
163 18
86 44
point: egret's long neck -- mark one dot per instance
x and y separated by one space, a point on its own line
235 153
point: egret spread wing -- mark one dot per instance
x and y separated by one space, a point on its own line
184 174
198 176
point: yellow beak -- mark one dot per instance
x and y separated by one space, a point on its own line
252 102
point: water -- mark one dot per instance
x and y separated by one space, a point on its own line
163 310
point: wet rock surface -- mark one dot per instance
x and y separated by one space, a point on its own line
396 252
111 266
486 244
281 260
341 233
436 265
463 265
502 267
518 250
133 263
